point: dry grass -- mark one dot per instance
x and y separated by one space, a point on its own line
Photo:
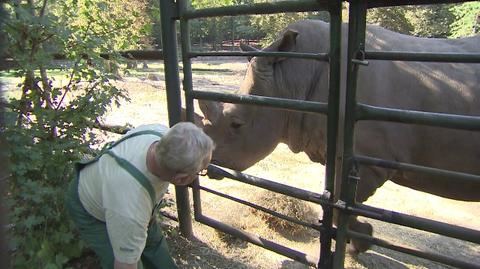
287 206
212 249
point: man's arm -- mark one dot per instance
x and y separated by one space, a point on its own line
121 265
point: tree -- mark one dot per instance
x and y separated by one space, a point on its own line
430 20
213 30
50 125
467 19
271 25
392 18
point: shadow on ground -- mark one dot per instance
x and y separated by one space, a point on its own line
193 253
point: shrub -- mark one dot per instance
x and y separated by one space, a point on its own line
50 125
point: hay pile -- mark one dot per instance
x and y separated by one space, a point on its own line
288 206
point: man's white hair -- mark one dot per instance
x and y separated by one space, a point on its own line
184 148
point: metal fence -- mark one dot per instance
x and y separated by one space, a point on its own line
357 55
171 12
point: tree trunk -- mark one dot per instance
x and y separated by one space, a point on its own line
232 24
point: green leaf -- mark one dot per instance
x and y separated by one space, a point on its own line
32 221
51 266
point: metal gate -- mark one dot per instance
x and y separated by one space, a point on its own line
171 12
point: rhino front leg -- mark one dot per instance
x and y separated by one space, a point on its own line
370 179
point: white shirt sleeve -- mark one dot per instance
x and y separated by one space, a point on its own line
128 210
127 236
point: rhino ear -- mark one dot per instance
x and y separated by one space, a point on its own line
245 47
211 110
287 43
197 119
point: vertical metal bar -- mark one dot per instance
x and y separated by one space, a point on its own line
356 42
169 40
335 10
183 6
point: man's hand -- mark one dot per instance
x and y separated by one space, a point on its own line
121 265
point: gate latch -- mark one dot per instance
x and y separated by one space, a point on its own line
360 58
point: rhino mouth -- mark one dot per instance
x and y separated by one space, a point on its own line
228 165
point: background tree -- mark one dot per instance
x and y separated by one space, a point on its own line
4 170
212 30
51 123
423 21
467 19
430 20
392 18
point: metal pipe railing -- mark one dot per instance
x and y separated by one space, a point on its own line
305 195
415 252
174 103
262 208
368 112
281 103
335 47
356 43
256 240
464 177
314 56
257 8
419 223
422 56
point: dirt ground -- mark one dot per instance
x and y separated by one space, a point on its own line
209 248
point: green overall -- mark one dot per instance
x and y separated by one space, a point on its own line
94 232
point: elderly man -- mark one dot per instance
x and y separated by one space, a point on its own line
114 196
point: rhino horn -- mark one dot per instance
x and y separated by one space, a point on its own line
211 110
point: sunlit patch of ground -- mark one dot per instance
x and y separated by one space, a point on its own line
212 249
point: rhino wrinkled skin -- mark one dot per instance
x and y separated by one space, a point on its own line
245 134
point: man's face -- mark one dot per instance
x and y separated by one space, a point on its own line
184 179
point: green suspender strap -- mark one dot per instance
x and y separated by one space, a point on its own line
134 172
130 168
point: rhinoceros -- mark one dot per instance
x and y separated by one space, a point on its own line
245 134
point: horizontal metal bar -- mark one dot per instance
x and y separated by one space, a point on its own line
264 243
270 185
288 104
315 56
257 8
419 223
261 208
129 54
414 251
417 168
423 57
389 3
140 54
10 63
368 112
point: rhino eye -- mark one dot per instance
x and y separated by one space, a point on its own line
235 125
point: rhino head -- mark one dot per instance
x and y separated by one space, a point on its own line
245 134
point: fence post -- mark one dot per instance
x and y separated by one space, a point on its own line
356 43
335 10
169 15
